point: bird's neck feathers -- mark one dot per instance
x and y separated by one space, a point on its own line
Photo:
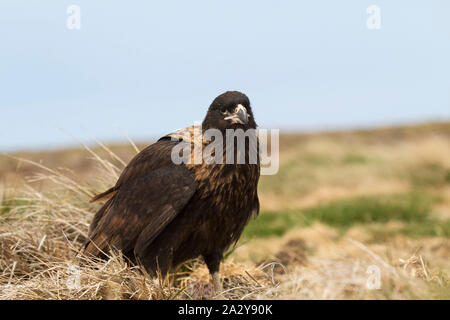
194 136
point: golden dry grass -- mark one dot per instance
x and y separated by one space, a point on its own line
45 214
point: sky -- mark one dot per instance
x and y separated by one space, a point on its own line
146 68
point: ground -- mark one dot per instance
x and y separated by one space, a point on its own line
350 215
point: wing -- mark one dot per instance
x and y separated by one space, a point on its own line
153 157
144 199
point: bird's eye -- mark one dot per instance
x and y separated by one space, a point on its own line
223 111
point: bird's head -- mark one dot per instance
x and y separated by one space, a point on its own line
230 110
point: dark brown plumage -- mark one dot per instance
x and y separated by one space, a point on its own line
161 214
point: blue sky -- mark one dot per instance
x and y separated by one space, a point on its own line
149 68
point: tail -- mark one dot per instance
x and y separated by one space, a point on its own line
96 241
105 195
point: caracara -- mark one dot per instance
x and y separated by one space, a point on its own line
160 213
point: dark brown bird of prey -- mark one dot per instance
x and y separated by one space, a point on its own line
160 213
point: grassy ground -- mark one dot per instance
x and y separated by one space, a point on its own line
350 215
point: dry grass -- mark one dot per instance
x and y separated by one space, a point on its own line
41 233
45 214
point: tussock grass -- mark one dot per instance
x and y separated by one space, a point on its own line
42 232
341 203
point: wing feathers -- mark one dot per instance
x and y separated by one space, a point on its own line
142 208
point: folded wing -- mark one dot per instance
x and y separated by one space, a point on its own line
145 199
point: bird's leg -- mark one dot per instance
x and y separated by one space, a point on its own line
213 263
216 283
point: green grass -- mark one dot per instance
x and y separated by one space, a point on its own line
429 228
447 177
271 223
409 208
360 210
5 207
353 158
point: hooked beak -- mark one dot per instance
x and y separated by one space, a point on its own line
240 115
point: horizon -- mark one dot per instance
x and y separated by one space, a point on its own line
93 142
150 69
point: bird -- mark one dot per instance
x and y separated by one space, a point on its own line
161 214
